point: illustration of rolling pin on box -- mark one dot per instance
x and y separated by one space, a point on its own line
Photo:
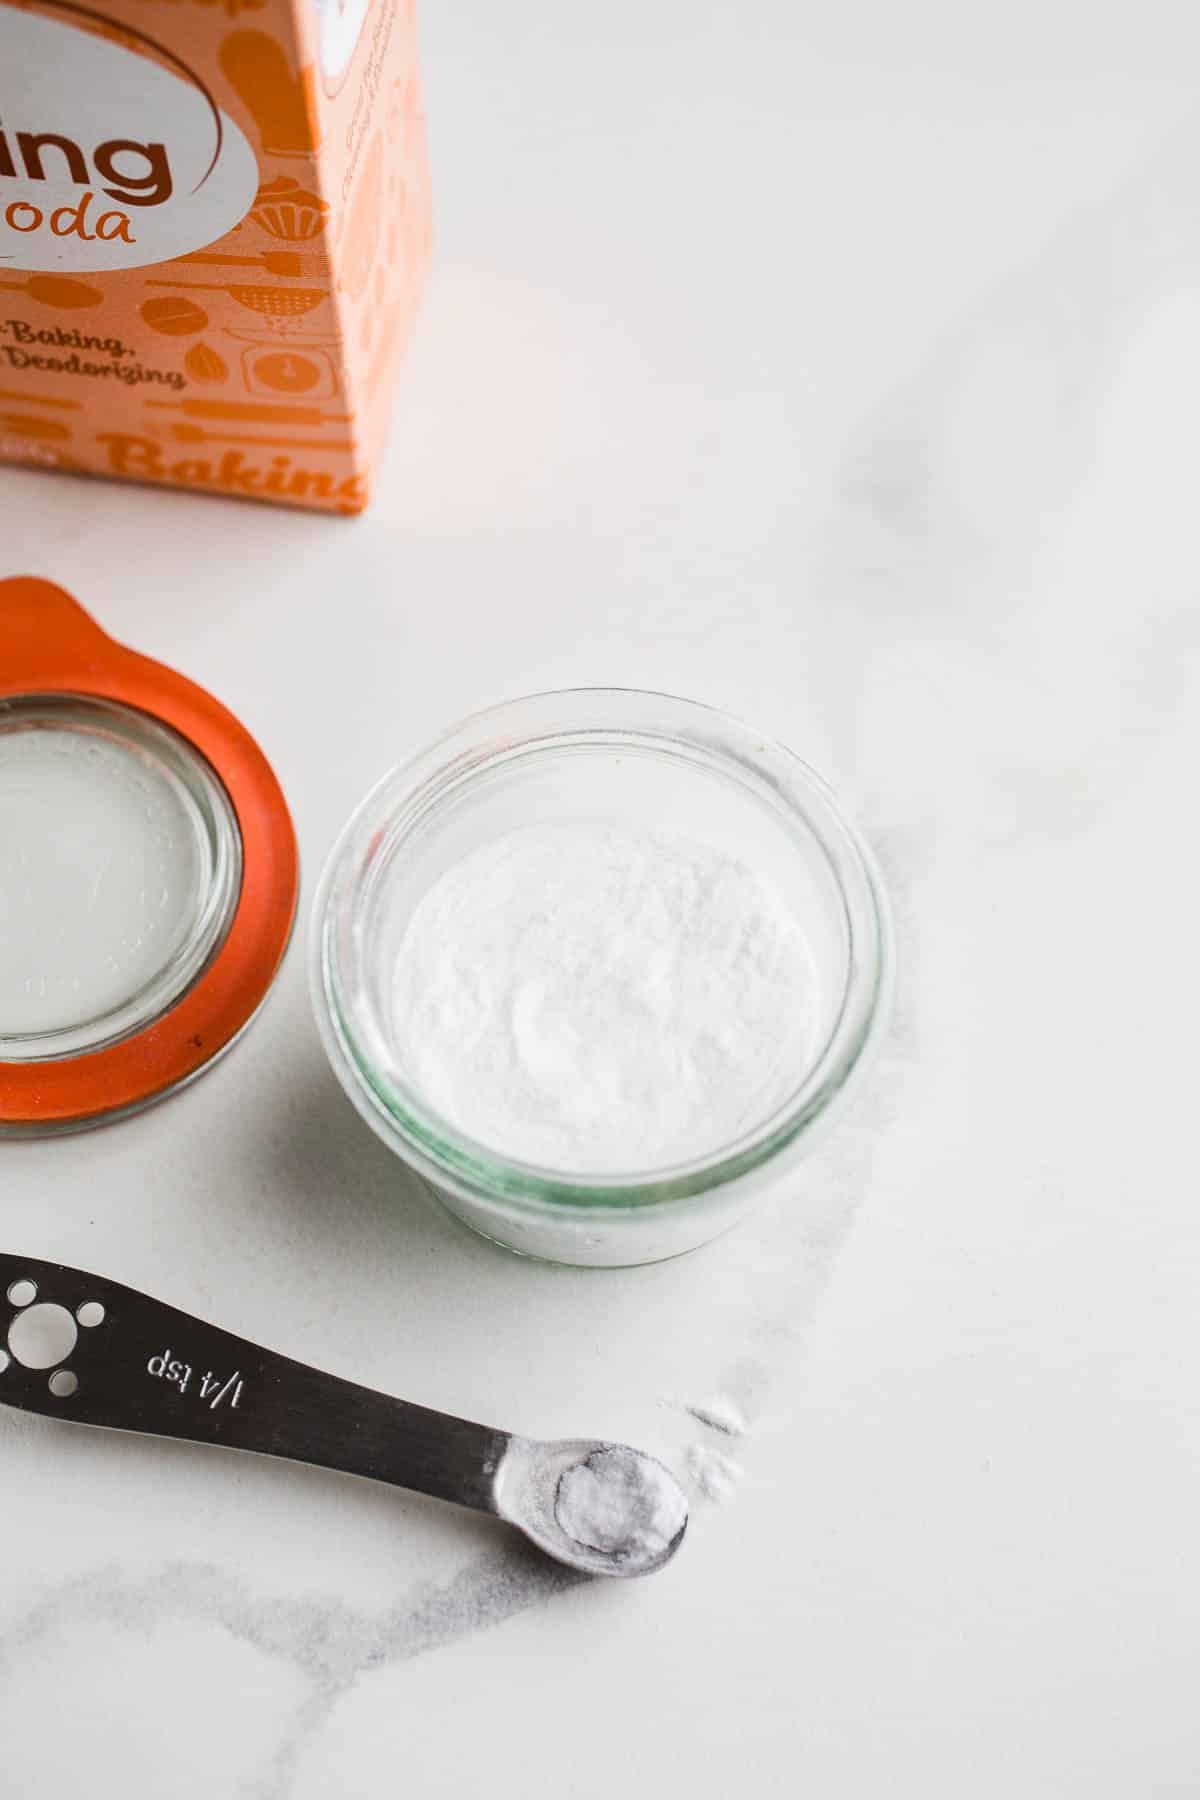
214 227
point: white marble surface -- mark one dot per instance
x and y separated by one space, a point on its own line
838 366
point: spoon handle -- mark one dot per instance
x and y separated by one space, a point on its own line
148 1367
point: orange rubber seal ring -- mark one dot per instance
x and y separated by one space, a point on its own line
50 645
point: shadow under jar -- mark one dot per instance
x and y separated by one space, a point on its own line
635 762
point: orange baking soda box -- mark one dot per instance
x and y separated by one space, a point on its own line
214 227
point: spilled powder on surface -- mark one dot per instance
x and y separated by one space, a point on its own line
715 1475
718 1415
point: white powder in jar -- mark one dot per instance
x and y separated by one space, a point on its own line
598 1000
621 1503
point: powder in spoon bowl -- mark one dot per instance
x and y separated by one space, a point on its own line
621 1503
598 1000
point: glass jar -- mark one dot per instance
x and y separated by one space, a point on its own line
616 756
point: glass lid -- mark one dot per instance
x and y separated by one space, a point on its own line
148 871
120 869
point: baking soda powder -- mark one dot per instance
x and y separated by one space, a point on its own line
621 1503
597 1000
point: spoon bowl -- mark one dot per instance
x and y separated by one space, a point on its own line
627 1502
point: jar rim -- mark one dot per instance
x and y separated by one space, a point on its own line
535 723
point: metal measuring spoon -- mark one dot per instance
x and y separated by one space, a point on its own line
83 1348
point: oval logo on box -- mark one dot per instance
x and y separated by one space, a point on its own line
112 153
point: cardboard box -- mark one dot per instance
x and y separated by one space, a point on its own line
214 226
